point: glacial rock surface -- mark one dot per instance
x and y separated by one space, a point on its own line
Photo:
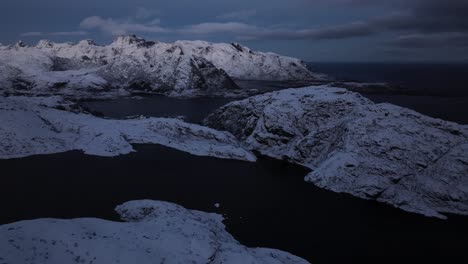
152 232
131 64
373 151
35 125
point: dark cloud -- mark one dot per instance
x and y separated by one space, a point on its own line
429 23
431 41
411 17
434 21
221 28
350 28
356 29
414 20
428 16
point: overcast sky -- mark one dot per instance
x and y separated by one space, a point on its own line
313 30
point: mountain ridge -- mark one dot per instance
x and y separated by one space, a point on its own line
132 64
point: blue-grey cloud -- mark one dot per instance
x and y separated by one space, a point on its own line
145 13
444 40
32 34
434 21
114 27
417 17
221 28
351 30
58 33
238 15
429 16
347 29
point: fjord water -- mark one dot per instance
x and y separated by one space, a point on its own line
265 204
192 110
441 92
429 78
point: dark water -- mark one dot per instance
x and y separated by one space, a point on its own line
443 88
448 108
438 79
266 203
193 110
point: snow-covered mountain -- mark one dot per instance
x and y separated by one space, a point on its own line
373 151
131 64
152 232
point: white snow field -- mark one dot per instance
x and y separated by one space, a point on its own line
152 232
29 126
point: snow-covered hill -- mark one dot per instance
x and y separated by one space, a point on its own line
373 151
33 125
131 64
152 232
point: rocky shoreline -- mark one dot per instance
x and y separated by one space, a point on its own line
379 152
374 151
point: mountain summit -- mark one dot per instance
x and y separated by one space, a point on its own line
132 64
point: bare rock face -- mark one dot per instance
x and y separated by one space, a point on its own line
131 64
152 232
373 151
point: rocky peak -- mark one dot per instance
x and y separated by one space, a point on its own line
238 46
158 67
87 42
20 44
44 44
132 40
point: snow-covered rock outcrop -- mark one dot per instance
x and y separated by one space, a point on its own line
374 151
131 64
153 232
34 125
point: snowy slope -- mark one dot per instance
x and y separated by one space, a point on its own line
153 232
242 63
131 64
373 151
31 125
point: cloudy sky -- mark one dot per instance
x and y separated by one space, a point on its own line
314 30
